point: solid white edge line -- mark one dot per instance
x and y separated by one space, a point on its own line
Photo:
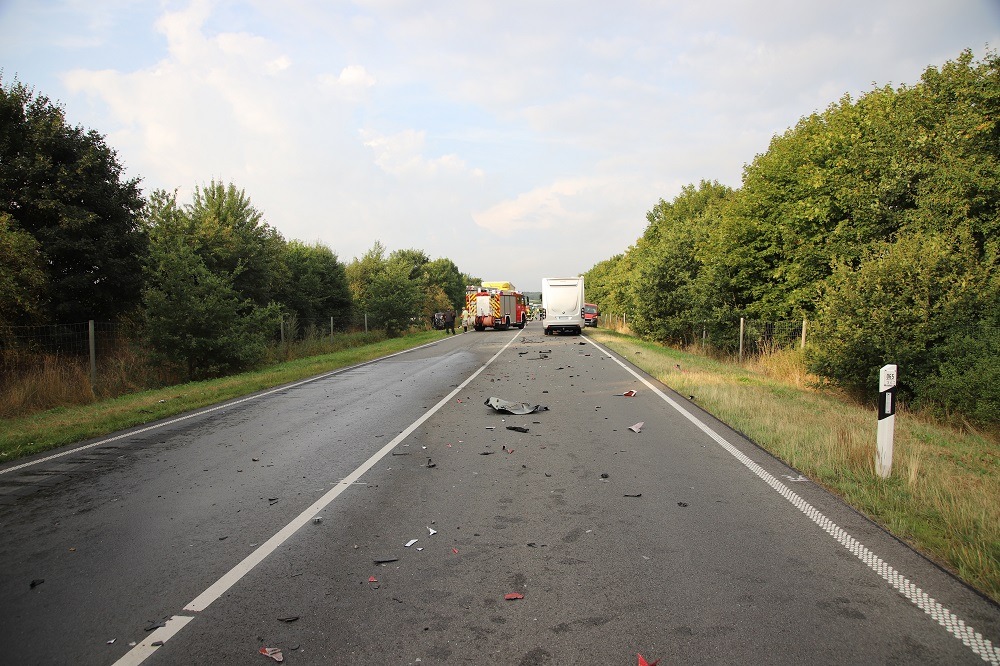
957 627
231 577
142 650
223 405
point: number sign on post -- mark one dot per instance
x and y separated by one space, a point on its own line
886 419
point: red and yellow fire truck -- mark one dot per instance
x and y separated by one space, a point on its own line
496 305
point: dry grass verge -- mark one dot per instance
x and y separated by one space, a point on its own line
943 496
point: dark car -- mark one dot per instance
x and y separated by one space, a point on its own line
437 321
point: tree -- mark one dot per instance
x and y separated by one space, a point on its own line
316 288
22 275
195 318
444 274
233 239
361 275
394 298
64 186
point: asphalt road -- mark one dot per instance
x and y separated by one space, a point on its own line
683 542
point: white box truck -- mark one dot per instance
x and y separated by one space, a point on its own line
562 302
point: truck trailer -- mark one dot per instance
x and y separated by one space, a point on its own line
562 304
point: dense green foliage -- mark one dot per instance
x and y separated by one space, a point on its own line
877 219
65 187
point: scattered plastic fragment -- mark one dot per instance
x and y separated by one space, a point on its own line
632 495
155 625
455 550
682 504
512 596
643 662
290 618
410 543
317 520
627 394
487 453
604 475
273 653
35 583
637 427
400 453
430 464
517 428
491 427
372 579
432 531
386 560
112 641
519 408
157 644
547 474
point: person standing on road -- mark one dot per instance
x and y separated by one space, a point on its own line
449 322
466 319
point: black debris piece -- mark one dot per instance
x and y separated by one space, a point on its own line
156 644
386 560
35 583
400 453
604 475
290 618
519 408
487 453
682 504
430 464
517 428
633 495
155 625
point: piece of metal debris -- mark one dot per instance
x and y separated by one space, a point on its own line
386 560
637 427
512 596
517 428
409 543
290 618
273 653
508 407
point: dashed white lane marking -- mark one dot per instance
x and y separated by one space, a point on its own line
975 641
136 655
256 396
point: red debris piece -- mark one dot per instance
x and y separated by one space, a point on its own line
512 596
629 394
273 653
455 550
643 662
372 579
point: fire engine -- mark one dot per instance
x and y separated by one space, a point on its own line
496 305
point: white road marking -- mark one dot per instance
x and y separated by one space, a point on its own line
138 654
132 433
971 638
230 578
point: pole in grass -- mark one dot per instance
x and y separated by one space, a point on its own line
886 419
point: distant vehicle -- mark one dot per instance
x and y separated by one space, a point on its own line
496 305
590 314
562 302
437 321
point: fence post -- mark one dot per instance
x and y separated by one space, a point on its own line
704 332
366 322
741 339
282 331
803 334
93 354
331 330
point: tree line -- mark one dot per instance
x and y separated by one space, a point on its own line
207 281
878 219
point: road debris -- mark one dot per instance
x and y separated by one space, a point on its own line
430 464
35 583
517 428
604 475
518 408
512 596
155 625
112 641
487 453
632 495
290 618
643 662
157 644
386 560
317 520
410 543
637 427
432 531
372 579
682 504
455 550
273 653
627 394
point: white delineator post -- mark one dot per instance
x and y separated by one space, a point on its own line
886 419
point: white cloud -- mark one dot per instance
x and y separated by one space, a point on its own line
401 154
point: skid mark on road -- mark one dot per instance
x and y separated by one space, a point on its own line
981 646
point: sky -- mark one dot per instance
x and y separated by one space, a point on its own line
520 139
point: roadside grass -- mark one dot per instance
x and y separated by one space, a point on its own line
943 496
45 430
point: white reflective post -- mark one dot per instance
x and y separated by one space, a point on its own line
886 419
